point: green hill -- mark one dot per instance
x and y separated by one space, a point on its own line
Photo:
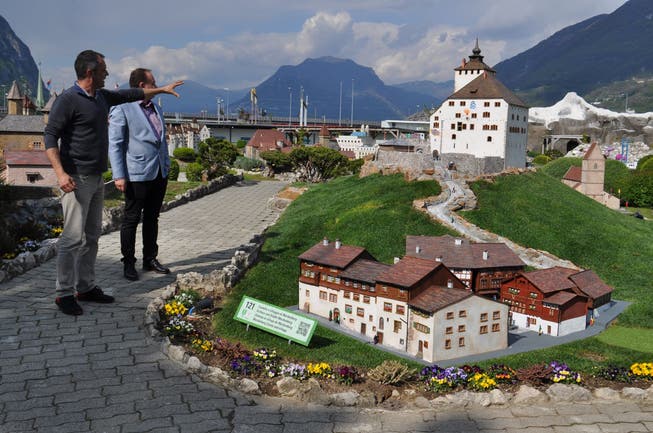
538 211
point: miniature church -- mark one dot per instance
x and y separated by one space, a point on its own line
483 126
589 178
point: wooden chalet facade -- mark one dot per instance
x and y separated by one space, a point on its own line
555 301
416 305
481 266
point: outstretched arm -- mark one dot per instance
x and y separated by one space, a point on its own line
169 89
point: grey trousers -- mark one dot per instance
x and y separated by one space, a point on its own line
78 243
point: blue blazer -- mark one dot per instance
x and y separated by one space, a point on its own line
135 152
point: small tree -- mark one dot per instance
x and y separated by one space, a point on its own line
279 162
194 171
215 156
173 173
185 154
316 164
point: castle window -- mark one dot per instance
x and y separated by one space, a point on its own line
489 138
497 104
462 103
399 309
473 115
449 330
486 104
496 327
453 136
483 317
496 315
397 326
366 299
461 328
453 126
471 126
451 103
333 298
461 342
486 114
360 312
483 329
449 315
447 344
458 115
387 306
323 295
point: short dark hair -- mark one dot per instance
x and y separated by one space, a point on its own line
137 76
86 60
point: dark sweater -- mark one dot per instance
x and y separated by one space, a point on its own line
81 122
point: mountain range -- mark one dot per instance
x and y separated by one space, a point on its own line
604 59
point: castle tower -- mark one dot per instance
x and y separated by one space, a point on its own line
593 172
14 100
469 70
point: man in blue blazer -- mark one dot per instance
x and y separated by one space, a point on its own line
139 161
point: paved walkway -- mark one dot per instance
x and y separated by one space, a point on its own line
98 372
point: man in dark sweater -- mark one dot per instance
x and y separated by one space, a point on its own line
76 142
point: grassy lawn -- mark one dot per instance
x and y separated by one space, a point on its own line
113 197
375 212
538 211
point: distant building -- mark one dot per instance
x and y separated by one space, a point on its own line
481 266
589 178
555 301
29 168
483 126
265 140
414 305
358 142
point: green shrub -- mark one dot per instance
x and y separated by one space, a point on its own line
643 161
194 171
185 154
248 164
553 153
541 160
216 156
559 167
639 190
355 165
279 162
173 173
240 144
107 176
617 176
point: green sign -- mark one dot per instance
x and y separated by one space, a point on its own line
276 320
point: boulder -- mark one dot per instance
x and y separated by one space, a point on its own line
527 395
564 392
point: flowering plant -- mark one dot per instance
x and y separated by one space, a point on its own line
562 373
28 245
245 365
642 369
614 373
56 231
322 369
187 298
296 371
481 382
178 327
202 344
502 373
439 379
175 308
268 359
346 375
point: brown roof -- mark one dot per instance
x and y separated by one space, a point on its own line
329 255
560 298
551 279
474 64
590 284
592 150
437 297
573 174
408 271
26 157
468 255
487 86
268 139
350 154
324 131
365 270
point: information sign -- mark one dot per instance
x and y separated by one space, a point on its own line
276 320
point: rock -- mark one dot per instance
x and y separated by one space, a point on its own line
189 280
395 393
606 394
632 393
219 376
440 401
289 387
563 392
462 398
176 353
421 402
342 399
195 365
527 395
367 399
649 391
315 394
497 397
248 386
482 399
26 260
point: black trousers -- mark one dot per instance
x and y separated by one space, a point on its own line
142 198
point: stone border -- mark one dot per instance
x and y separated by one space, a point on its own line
111 220
220 282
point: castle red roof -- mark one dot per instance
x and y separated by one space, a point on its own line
329 255
436 298
408 271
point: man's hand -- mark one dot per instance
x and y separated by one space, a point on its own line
66 183
120 184
170 88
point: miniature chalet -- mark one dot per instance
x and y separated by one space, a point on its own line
481 266
415 305
555 301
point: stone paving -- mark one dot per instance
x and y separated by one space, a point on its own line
100 373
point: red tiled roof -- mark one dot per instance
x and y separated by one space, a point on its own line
329 255
593 149
468 255
574 174
26 157
437 297
487 86
560 298
268 139
590 284
408 271
552 279
364 270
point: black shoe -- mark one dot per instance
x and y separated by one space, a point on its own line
130 271
68 305
95 295
154 265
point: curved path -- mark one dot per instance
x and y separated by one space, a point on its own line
99 372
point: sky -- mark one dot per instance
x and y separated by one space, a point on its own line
238 44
